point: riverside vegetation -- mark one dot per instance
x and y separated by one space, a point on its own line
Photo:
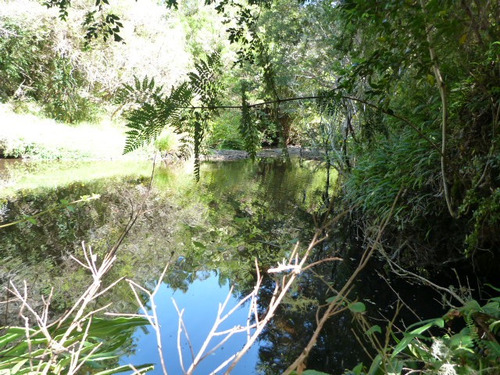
402 100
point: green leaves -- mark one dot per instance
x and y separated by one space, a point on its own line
105 339
373 329
97 23
147 122
357 307
140 92
177 109
62 204
204 81
248 129
416 333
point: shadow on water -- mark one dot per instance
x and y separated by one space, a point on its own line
210 233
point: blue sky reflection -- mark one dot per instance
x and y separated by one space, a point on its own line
200 304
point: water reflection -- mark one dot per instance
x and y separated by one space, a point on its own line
200 304
238 212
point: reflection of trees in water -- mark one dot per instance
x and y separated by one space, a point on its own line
293 325
254 211
238 212
40 251
337 347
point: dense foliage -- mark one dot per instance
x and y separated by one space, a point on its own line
401 96
47 65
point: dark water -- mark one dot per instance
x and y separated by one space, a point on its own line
210 234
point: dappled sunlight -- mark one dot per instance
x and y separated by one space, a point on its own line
218 138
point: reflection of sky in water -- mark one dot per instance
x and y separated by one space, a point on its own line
200 304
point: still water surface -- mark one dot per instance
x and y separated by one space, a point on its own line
209 233
200 304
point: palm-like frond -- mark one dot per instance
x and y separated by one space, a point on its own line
139 92
204 81
157 111
147 122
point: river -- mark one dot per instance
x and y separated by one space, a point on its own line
209 233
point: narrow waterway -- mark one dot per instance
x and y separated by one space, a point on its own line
209 233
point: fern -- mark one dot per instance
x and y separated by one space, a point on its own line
204 82
139 93
328 101
147 122
157 111
198 137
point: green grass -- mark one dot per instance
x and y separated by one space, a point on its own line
29 136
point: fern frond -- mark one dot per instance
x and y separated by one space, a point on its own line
155 112
328 101
204 81
147 122
139 93
198 137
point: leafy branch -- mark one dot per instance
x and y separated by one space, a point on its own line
153 115
147 122
63 204
321 97
96 23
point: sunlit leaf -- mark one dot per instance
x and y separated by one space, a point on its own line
199 245
332 299
375 365
32 220
407 339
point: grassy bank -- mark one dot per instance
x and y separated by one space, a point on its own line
29 136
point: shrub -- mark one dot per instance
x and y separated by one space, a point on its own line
472 350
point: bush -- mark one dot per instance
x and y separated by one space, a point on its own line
45 60
472 350
38 64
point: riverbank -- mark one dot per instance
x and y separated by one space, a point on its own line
293 151
28 136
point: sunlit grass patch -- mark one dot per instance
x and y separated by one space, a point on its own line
26 135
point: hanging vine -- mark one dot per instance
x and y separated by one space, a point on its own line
247 128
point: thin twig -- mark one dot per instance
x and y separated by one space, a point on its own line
322 261
333 306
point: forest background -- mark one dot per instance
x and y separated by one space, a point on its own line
402 98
